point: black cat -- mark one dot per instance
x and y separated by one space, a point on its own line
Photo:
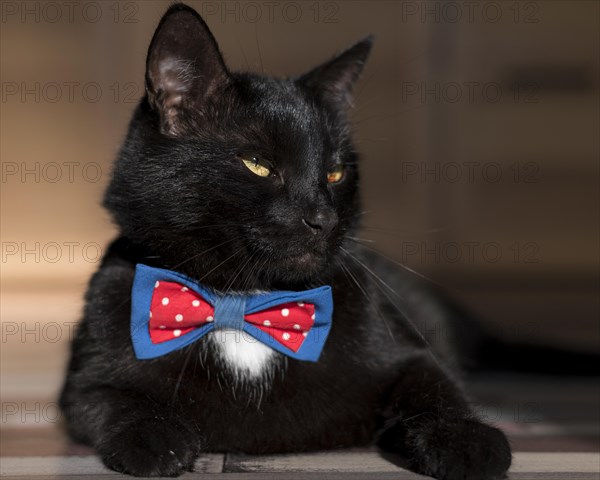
247 183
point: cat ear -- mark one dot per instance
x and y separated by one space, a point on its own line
336 78
183 67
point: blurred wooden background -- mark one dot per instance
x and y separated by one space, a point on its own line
478 127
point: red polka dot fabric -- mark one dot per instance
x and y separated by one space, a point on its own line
175 311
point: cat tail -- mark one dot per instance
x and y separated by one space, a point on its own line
499 355
470 342
483 350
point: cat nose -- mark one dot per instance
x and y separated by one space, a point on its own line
320 221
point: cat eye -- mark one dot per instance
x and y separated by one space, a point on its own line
256 165
336 174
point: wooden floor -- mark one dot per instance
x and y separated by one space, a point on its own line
553 425
326 465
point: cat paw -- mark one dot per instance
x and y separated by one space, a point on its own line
150 448
462 450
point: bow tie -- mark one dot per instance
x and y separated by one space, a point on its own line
170 311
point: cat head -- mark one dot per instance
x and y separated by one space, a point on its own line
240 180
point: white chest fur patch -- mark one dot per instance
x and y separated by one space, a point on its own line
243 353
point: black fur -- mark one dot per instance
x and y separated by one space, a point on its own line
184 201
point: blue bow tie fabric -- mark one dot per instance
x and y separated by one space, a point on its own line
170 311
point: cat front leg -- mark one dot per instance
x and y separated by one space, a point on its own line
429 421
132 433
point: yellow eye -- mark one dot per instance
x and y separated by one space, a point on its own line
335 174
256 165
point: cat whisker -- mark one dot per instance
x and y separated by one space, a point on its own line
236 273
180 377
361 214
353 257
370 301
399 232
239 270
360 239
404 267
402 312
254 269
220 264
247 278
193 257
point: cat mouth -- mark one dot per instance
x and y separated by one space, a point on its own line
306 261
302 258
295 253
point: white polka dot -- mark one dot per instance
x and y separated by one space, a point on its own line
312 316
285 312
162 327
178 317
286 336
156 284
300 304
176 333
150 314
209 318
196 303
296 327
184 289
165 301
305 334
267 323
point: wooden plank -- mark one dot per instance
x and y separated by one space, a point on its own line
344 464
371 462
547 462
261 476
331 461
49 466
82 466
319 476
